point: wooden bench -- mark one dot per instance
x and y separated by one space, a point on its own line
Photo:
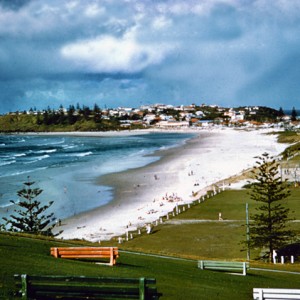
111 253
72 287
270 294
232 266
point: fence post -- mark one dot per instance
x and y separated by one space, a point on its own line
142 289
24 286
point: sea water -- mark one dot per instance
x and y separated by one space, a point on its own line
66 167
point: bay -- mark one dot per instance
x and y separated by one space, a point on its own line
66 167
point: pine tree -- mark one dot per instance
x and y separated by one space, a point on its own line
294 114
268 228
29 217
97 113
71 115
281 112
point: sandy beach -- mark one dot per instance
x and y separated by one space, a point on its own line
143 195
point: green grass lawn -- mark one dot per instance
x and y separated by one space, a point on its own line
197 233
194 234
176 279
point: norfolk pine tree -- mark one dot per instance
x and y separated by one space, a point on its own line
29 217
268 227
294 115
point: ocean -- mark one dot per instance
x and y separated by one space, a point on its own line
67 168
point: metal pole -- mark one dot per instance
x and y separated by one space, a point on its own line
248 232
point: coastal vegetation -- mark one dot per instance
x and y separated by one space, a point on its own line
29 216
269 224
288 136
50 123
292 153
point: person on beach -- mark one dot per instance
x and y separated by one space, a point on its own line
148 228
220 216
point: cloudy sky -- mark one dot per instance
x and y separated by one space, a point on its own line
132 52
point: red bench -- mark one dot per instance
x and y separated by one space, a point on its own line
111 253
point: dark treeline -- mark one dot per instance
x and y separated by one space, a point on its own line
69 116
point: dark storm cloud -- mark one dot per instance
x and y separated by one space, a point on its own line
13 4
279 84
126 52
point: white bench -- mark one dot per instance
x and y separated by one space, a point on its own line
272 294
227 266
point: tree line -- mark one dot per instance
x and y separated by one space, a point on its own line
72 115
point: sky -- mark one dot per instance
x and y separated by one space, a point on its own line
128 53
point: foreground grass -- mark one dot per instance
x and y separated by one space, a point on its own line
176 279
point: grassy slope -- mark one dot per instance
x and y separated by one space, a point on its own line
175 279
291 153
211 238
28 123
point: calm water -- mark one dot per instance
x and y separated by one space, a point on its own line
66 167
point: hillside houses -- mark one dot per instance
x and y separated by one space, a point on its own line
162 116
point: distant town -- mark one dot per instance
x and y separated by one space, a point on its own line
84 118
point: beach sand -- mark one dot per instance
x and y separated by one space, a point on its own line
183 174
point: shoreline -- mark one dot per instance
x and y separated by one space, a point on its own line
145 194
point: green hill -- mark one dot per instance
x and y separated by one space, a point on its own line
33 123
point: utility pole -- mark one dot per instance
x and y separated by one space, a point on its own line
248 232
